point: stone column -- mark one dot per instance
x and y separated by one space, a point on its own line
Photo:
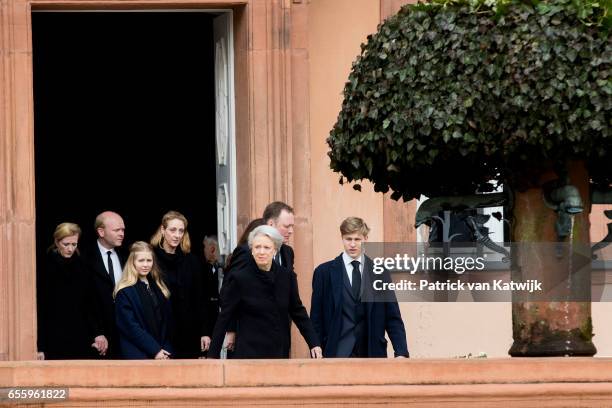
279 135
17 234
299 146
553 327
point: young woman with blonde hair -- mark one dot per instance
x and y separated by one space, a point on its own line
142 307
183 273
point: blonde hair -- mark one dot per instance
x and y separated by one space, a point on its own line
65 229
130 274
352 225
99 222
157 239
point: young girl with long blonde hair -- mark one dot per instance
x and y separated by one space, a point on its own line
142 307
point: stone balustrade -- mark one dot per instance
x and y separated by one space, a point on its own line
552 382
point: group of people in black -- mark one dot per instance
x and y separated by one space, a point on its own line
94 302
162 301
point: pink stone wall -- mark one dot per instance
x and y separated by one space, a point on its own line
334 45
494 383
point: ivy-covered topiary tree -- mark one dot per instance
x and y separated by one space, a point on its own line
452 94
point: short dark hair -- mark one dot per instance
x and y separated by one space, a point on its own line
252 225
273 210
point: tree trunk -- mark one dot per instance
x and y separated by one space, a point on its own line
550 326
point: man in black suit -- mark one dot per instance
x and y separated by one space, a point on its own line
347 325
105 264
213 274
280 216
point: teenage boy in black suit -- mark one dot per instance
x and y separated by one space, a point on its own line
348 326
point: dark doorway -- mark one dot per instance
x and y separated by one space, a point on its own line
124 120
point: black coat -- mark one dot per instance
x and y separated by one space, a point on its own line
382 313
139 336
66 321
287 256
103 296
261 304
210 288
241 258
182 274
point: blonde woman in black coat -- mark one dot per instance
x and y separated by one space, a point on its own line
183 274
260 297
67 327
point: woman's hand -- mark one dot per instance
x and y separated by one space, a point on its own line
204 343
101 344
316 352
230 340
162 355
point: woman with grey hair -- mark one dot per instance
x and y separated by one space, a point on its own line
261 297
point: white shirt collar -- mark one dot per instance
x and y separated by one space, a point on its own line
103 250
347 261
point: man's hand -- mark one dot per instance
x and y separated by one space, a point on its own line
162 355
316 352
40 355
230 338
101 344
204 343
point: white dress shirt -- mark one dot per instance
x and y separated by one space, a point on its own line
115 258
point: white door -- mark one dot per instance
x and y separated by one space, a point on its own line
224 132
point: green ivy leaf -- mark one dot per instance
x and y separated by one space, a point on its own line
494 89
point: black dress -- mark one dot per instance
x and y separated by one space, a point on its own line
261 303
183 274
66 322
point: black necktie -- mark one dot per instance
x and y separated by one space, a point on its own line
277 257
111 270
356 284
